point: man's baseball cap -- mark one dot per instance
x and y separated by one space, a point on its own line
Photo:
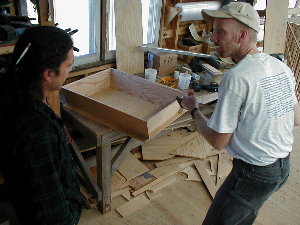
240 11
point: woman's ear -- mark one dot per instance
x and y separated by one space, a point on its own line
48 75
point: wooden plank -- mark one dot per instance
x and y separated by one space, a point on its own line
196 147
140 181
224 168
162 184
129 35
206 178
131 167
91 70
133 205
172 161
104 175
160 148
275 26
124 150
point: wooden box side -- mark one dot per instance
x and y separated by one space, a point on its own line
109 117
92 84
164 118
141 88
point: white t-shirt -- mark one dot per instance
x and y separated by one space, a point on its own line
256 100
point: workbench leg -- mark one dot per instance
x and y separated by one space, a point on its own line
103 157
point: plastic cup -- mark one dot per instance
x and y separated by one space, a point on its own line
184 81
176 75
150 74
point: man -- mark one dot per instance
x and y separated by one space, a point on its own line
254 117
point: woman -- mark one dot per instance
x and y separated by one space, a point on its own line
36 160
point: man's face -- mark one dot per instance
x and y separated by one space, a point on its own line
226 36
64 70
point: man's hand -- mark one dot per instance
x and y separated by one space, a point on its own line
189 100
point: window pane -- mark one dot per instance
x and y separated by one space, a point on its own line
76 14
149 22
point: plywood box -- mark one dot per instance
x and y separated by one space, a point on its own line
126 103
164 63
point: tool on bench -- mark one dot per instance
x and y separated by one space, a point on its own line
212 87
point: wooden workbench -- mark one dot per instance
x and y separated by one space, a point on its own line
107 158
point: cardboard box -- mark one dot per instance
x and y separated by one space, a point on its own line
164 63
126 103
195 48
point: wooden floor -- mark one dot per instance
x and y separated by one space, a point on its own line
186 203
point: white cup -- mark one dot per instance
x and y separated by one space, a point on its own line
184 81
150 74
176 75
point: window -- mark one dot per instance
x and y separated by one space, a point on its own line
84 16
150 16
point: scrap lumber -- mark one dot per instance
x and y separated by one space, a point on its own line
162 173
160 148
192 174
162 184
211 165
116 193
172 161
171 169
224 167
131 167
212 189
141 180
151 193
133 205
195 146
127 195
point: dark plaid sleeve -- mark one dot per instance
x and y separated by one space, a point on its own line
50 173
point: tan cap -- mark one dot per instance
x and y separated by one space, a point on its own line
240 11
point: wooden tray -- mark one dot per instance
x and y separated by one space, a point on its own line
126 103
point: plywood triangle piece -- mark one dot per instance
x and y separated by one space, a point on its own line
160 148
192 174
196 147
224 167
172 161
131 167
133 205
212 189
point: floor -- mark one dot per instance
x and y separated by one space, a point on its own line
186 202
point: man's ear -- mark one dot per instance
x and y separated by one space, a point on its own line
244 34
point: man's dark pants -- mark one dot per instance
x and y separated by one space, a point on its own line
244 191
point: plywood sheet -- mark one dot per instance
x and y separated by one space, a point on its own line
141 180
196 146
129 35
172 161
192 174
206 178
133 205
131 167
160 148
275 26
